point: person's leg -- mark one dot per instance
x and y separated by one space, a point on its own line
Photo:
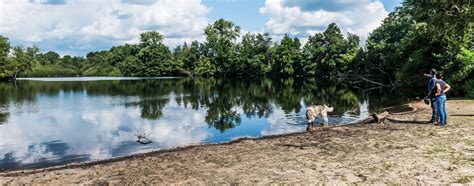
439 105
434 105
445 114
433 110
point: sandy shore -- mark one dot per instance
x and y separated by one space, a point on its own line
395 152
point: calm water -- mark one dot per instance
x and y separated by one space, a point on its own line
51 121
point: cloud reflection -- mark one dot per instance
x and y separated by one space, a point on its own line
94 128
55 122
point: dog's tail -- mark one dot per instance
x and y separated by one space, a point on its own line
328 109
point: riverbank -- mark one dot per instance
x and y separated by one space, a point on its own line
396 152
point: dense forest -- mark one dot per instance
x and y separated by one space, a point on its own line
417 36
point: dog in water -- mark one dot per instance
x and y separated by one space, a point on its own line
312 112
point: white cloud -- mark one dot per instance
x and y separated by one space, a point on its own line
306 19
80 26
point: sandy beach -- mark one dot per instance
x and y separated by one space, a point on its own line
404 151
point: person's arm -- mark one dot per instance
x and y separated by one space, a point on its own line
438 89
431 86
446 88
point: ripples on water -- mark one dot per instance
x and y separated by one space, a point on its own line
52 121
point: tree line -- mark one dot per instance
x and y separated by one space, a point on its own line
325 54
417 36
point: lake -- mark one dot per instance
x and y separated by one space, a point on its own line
55 121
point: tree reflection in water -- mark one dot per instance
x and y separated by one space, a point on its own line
50 123
224 99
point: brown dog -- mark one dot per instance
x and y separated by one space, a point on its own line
312 112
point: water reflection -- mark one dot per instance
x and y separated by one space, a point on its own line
44 123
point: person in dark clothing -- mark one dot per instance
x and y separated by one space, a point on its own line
440 95
431 88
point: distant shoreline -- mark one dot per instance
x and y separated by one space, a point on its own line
93 78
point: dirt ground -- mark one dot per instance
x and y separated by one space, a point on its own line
395 152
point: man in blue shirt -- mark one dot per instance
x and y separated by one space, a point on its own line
431 87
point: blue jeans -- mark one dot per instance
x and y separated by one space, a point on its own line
441 114
434 109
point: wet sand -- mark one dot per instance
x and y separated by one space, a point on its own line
407 152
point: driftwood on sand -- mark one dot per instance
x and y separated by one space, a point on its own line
375 118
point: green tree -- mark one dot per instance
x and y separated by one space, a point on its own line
131 66
22 61
120 53
155 55
253 55
422 35
313 53
335 46
384 53
220 45
286 57
328 54
98 65
4 61
353 58
187 57
205 67
50 57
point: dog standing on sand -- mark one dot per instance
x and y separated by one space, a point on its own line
312 112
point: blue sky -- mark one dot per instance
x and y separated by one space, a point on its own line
77 27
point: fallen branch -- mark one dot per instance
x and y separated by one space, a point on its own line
376 118
373 82
143 137
388 75
374 88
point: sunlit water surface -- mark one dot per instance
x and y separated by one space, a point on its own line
54 121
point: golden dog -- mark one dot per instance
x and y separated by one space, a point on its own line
312 112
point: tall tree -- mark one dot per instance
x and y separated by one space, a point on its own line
384 53
187 57
449 23
253 55
155 55
220 45
50 57
313 54
334 45
327 54
422 35
4 49
286 57
21 61
353 58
